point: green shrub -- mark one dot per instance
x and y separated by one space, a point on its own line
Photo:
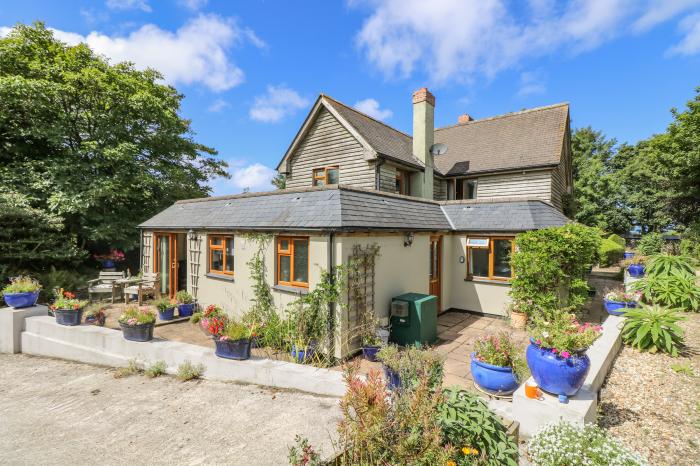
157 369
690 243
618 239
566 444
667 265
467 421
610 252
651 243
22 284
653 328
412 364
132 368
188 371
672 291
66 279
183 297
236 331
165 303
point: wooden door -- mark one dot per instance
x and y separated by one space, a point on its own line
435 282
165 263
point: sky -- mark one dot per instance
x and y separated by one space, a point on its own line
250 70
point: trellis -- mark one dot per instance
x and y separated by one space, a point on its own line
194 251
146 252
361 288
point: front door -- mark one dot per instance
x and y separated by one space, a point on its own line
165 263
435 283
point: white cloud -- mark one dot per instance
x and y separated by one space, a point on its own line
217 105
193 5
277 103
454 40
254 177
129 5
690 44
197 53
371 108
531 83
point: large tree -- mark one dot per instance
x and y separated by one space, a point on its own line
98 147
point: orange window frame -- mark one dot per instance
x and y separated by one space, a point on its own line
289 252
491 276
318 174
220 247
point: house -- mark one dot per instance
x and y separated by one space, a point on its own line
444 224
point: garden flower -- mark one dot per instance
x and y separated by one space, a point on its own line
565 354
451 463
538 342
555 351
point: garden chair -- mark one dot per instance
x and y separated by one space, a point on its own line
148 284
105 283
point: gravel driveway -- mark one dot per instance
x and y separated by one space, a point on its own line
60 412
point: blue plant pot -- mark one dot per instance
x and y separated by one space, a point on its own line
636 270
233 349
393 380
141 333
70 317
302 354
185 310
616 308
168 314
108 264
627 255
370 352
555 374
497 380
20 300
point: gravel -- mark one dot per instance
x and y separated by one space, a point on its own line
654 409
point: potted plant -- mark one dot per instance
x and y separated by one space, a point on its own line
303 350
389 356
67 308
96 316
166 308
518 312
185 303
21 292
211 321
137 323
635 266
627 255
557 356
108 260
403 369
616 301
233 341
496 365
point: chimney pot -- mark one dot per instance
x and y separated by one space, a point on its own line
423 95
464 118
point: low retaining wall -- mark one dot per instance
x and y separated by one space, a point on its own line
12 325
98 345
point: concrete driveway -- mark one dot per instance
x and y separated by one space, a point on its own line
60 412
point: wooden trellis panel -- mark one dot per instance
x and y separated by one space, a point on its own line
361 288
194 249
146 252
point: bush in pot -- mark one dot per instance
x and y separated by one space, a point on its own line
635 266
166 308
403 368
21 292
617 301
67 309
233 340
185 303
137 323
496 365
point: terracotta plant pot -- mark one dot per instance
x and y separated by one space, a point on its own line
518 320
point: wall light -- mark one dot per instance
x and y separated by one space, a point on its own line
408 239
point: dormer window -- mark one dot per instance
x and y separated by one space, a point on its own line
465 189
325 175
403 182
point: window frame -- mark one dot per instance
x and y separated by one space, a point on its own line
492 241
290 253
324 177
403 179
222 248
463 183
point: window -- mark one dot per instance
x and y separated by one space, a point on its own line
465 189
293 261
221 254
326 175
489 258
403 182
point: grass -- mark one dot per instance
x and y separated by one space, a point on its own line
157 369
188 371
683 368
132 368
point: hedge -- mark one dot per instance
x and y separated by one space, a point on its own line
618 239
610 252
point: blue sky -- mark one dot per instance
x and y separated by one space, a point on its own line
250 70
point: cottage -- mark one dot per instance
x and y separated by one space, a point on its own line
443 207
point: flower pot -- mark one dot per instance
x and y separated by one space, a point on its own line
20 300
301 355
185 310
370 352
168 314
617 308
497 380
393 379
232 349
554 374
627 255
140 332
108 264
636 270
70 317
95 320
518 320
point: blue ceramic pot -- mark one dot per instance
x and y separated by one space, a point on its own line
627 255
185 310
108 264
20 300
302 354
555 374
70 317
615 308
636 270
497 380
370 352
168 314
393 380
141 332
233 349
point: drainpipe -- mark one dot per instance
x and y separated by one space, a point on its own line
377 176
140 250
331 306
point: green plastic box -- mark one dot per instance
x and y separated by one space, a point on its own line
419 324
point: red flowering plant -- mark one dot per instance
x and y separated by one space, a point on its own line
113 255
66 301
500 350
563 334
213 320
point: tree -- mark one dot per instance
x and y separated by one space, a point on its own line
279 181
100 147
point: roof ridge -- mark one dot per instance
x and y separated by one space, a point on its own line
506 115
365 115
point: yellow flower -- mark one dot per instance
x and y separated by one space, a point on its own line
466 450
470 451
451 463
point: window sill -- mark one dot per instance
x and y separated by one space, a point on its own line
488 280
291 289
225 278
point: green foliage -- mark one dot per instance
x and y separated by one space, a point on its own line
188 371
552 260
68 279
413 364
565 444
157 369
651 243
683 368
690 243
563 333
500 350
22 284
134 315
610 252
671 291
279 181
668 265
236 331
653 328
183 297
302 453
467 422
165 303
132 368
618 239
65 300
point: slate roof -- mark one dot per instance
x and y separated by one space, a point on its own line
350 209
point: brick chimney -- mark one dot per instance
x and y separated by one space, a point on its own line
464 118
423 137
